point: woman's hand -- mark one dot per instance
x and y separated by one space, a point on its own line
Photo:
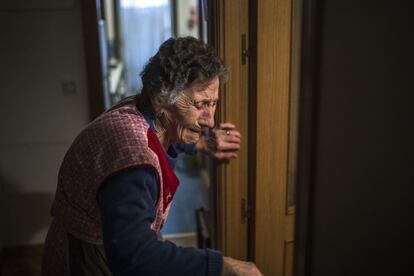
239 268
223 144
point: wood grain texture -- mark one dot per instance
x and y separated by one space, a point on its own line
288 257
294 103
232 177
273 96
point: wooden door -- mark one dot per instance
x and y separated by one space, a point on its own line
230 28
276 113
261 99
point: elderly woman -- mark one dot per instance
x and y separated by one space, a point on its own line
116 182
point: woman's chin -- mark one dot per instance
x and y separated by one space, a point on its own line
191 139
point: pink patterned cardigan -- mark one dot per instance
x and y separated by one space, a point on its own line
118 140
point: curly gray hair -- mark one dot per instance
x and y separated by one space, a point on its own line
179 63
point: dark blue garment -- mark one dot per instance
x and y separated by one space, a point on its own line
127 202
185 148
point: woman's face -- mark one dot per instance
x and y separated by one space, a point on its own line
195 109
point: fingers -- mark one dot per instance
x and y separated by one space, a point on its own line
222 155
228 132
224 150
227 146
228 138
227 141
221 149
235 267
219 132
226 126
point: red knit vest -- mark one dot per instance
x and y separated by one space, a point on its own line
118 140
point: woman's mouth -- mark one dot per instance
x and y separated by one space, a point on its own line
195 129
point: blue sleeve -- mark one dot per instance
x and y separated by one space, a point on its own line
127 204
185 148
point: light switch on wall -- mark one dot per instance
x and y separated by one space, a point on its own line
68 87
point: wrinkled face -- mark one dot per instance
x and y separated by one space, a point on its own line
195 109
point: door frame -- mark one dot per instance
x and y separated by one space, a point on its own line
308 99
91 12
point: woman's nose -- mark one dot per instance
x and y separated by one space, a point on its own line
207 118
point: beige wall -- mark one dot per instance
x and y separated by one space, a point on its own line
41 47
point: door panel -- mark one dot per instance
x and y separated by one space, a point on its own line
231 22
275 164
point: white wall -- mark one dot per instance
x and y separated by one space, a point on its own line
41 47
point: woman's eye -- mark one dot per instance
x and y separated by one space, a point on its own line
199 104
205 104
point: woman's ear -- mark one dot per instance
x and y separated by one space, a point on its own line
160 108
